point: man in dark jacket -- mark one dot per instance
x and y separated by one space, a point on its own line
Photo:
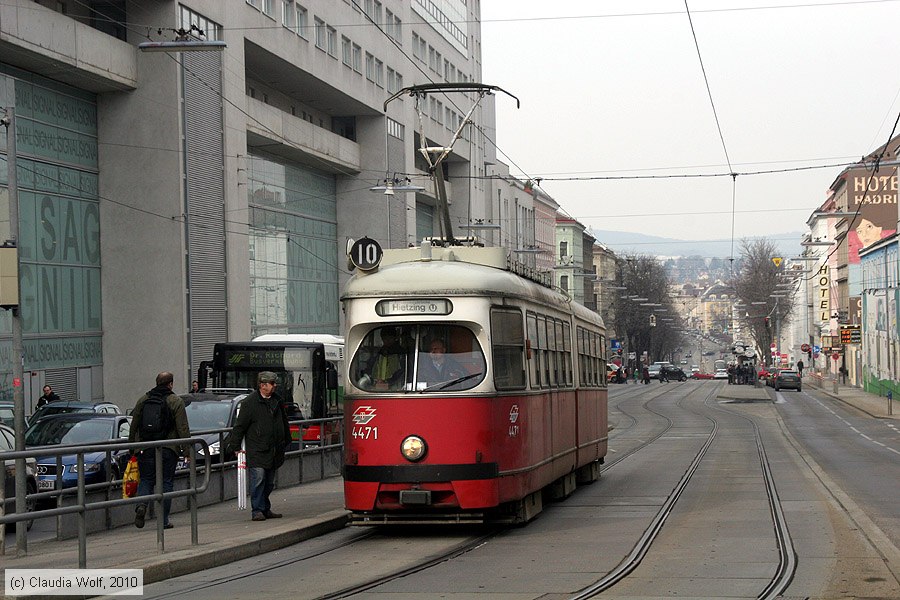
177 429
263 425
49 396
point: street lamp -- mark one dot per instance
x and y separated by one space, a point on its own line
388 186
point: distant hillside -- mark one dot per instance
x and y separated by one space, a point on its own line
638 243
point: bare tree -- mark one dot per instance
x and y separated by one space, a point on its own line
645 282
766 298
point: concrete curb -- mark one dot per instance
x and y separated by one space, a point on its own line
192 560
199 558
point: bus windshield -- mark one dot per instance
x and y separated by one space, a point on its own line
301 369
418 358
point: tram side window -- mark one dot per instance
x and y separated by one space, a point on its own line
508 349
592 371
560 354
535 360
545 352
567 353
552 352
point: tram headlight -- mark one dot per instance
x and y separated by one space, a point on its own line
413 448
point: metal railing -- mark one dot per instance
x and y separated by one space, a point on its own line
331 439
82 506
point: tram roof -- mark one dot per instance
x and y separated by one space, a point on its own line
454 271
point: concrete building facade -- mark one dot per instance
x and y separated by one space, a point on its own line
169 201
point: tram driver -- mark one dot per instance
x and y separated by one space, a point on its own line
436 367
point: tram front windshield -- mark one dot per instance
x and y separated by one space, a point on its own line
417 359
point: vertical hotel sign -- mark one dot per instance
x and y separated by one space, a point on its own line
824 294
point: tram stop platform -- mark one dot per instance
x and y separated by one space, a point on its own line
225 535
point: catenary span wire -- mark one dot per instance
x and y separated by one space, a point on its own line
688 175
843 159
718 127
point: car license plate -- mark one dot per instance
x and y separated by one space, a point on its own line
46 484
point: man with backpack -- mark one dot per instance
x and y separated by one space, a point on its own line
158 415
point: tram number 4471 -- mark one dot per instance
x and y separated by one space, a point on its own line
365 433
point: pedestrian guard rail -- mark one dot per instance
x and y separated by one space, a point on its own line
83 505
307 462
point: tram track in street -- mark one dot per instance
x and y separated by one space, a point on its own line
787 557
778 583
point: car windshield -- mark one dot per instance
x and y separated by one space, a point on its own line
418 358
69 431
208 415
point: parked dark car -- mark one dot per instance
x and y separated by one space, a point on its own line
8 444
673 373
79 428
64 407
211 410
787 379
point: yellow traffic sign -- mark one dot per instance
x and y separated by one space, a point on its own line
777 260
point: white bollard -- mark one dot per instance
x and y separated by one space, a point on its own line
242 479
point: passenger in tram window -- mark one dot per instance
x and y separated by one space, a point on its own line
387 370
436 366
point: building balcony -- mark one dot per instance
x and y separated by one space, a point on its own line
291 137
37 39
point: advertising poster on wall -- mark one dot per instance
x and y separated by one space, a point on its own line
875 196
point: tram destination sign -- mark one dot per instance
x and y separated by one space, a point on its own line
414 306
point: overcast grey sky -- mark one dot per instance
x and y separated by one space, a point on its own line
615 88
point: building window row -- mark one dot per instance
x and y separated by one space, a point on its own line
396 129
393 27
427 54
267 7
444 21
211 30
295 17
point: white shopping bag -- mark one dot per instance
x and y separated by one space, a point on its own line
242 478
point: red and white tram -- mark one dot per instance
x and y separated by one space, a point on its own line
472 392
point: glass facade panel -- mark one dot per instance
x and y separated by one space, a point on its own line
59 227
293 249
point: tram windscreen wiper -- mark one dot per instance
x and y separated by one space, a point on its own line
445 384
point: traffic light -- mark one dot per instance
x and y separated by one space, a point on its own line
767 322
652 320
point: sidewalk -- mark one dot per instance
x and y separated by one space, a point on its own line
225 535
871 404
